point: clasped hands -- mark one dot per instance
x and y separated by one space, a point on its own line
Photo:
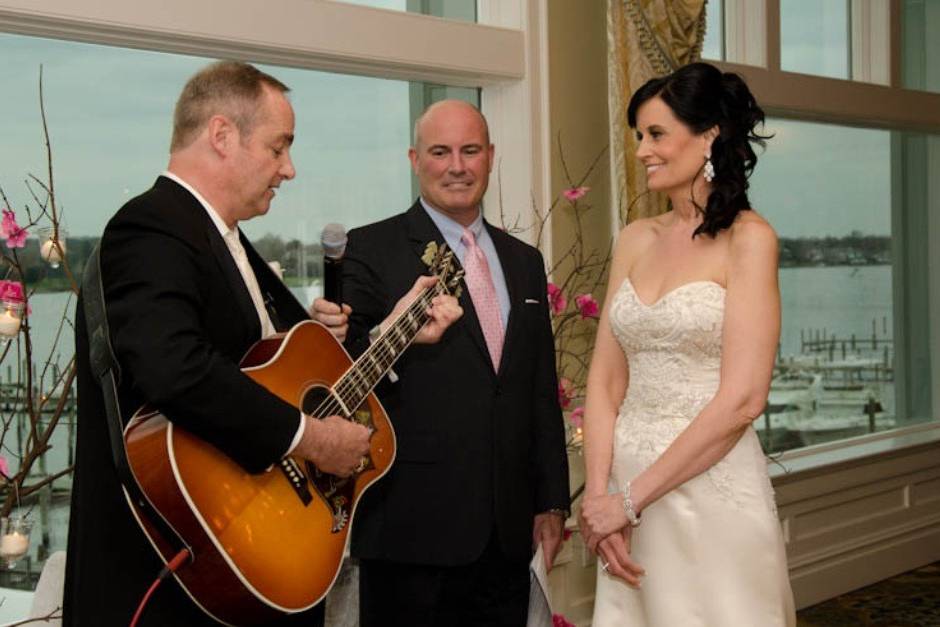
607 534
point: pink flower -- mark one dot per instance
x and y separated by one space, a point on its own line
577 417
573 193
586 305
559 620
14 234
12 290
4 467
564 392
556 299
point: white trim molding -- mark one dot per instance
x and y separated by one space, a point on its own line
868 515
331 36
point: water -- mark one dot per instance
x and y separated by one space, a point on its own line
841 300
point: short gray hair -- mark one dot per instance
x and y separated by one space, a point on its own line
230 88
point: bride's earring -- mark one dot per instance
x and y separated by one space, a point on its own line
708 172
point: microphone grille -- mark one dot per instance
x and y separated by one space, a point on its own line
333 240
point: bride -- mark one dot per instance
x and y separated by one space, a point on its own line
678 505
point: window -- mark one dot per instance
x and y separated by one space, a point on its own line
814 37
851 200
850 209
827 190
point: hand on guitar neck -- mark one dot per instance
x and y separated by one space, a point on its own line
336 445
443 312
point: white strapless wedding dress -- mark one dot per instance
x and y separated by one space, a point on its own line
712 548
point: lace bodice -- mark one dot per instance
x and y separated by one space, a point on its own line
673 348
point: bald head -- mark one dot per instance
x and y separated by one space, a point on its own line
448 109
452 157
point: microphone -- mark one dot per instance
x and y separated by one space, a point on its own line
333 240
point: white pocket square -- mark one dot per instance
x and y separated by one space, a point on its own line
531 301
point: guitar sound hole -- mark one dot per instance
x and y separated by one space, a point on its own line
314 399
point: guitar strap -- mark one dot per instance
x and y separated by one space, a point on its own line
107 371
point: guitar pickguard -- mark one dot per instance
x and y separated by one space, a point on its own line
336 492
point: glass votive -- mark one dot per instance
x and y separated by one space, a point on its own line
11 317
14 538
52 245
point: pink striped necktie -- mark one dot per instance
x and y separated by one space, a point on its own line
483 294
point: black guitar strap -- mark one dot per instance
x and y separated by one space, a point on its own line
107 372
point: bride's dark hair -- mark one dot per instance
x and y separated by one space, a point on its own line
701 96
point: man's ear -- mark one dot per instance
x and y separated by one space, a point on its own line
413 158
222 134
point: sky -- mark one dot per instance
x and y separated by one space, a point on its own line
109 112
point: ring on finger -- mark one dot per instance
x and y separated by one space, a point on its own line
604 566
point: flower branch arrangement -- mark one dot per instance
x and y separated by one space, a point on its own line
576 275
38 397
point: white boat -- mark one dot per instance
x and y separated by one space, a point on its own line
827 427
793 395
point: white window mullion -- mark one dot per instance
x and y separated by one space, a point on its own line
518 115
871 41
746 38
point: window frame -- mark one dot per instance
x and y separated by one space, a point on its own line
752 29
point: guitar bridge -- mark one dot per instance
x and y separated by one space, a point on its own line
297 479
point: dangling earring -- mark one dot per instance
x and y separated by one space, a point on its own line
708 172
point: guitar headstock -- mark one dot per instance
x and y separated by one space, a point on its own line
443 266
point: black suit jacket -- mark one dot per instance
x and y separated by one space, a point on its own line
478 450
181 319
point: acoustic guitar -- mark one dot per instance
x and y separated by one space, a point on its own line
270 544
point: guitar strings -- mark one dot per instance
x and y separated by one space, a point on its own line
352 380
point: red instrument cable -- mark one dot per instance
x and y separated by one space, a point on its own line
165 572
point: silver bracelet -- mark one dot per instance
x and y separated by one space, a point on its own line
632 518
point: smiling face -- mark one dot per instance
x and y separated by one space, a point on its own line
261 161
452 158
672 154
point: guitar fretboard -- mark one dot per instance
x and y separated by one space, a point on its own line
353 387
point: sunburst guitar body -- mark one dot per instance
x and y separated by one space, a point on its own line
266 545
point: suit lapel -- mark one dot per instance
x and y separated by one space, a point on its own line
422 230
512 269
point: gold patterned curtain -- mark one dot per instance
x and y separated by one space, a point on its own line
645 39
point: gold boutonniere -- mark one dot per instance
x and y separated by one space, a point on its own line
430 254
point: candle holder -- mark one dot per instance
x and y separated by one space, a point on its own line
14 539
11 317
52 245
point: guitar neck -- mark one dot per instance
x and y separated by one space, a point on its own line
372 365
